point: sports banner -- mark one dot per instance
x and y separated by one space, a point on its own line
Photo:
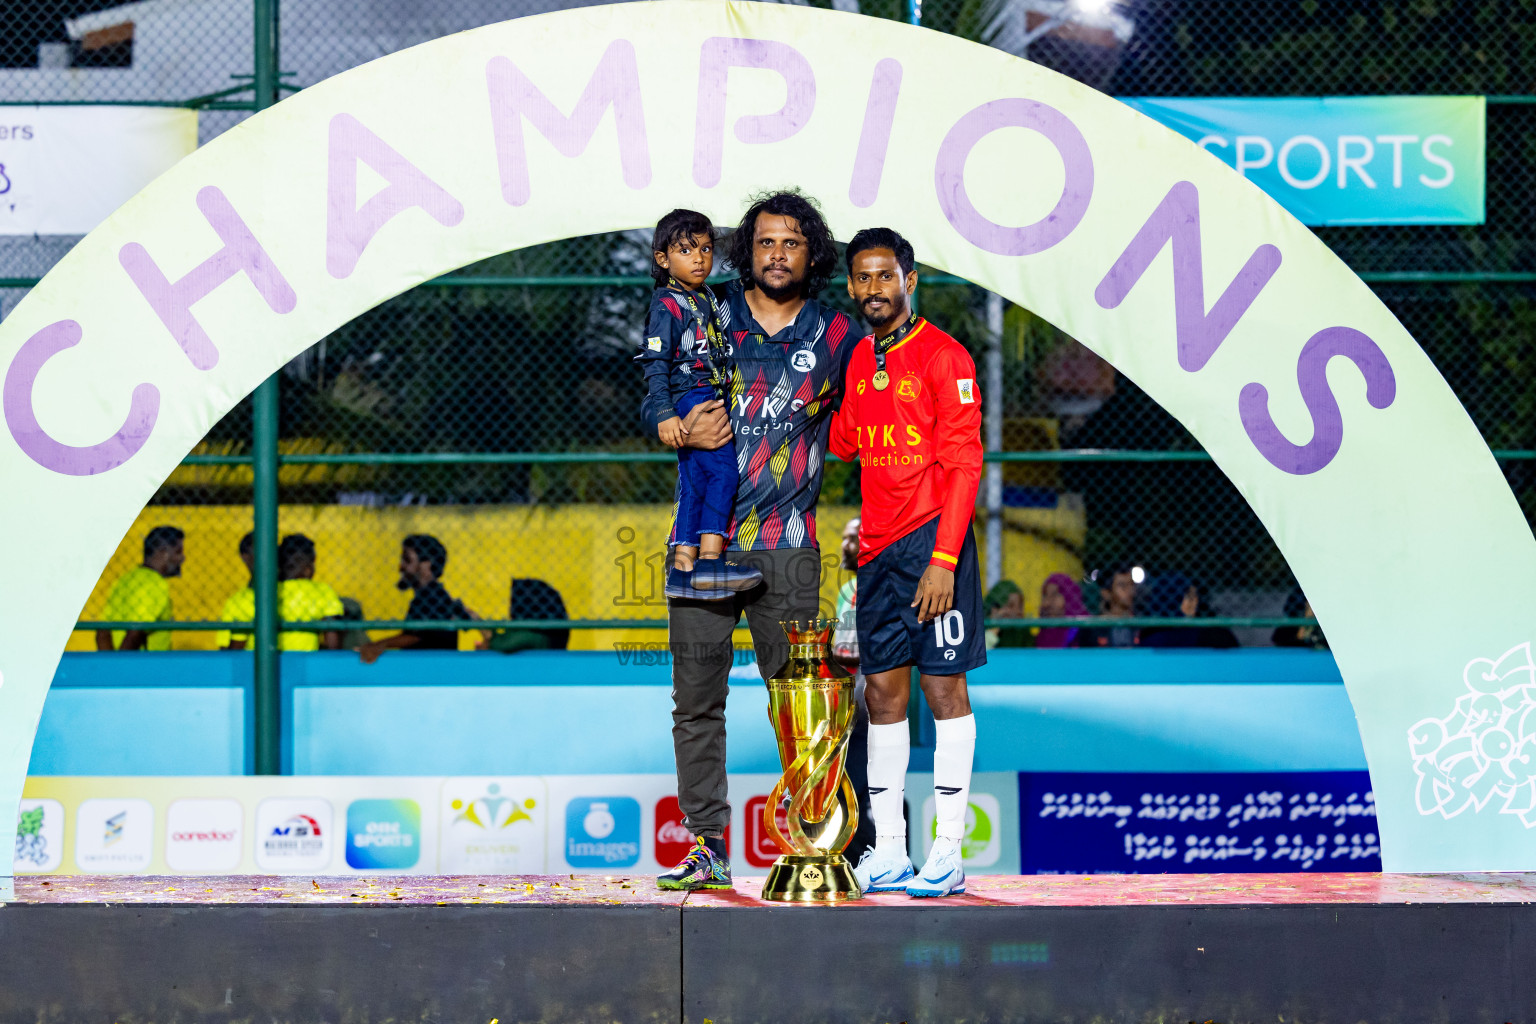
1347 159
63 170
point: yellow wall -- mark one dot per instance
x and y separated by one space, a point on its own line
595 555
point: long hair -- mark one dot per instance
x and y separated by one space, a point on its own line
803 210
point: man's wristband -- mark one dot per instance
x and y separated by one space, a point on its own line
944 561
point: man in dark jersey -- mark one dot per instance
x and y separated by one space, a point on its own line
423 558
790 353
912 417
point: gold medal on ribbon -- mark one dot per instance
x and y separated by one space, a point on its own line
882 380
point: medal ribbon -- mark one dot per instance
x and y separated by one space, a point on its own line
890 341
714 350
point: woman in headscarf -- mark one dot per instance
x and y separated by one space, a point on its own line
1006 601
1173 596
1060 598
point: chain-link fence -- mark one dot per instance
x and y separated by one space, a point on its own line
439 412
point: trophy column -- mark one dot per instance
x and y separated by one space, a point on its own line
812 708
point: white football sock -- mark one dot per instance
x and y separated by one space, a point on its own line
889 746
954 749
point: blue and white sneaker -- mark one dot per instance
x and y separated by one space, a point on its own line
888 870
681 584
718 574
943 875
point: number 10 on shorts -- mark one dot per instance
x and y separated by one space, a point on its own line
949 629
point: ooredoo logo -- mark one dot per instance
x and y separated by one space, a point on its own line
672 836
203 835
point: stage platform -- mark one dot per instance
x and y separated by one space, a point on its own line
470 950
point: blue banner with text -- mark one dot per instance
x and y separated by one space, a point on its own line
1083 823
1347 159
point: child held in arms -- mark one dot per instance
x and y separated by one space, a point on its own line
687 359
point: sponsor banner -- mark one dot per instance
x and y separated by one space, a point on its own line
991 843
1087 823
114 835
63 170
39 837
1347 159
294 835
493 826
204 835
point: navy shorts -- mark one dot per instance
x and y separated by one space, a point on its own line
889 633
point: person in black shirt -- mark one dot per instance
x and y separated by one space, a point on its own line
422 561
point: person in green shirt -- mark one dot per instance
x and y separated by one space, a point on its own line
241 605
302 598
144 595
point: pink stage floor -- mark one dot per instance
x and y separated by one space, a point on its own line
640 890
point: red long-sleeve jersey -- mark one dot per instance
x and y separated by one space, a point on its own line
918 441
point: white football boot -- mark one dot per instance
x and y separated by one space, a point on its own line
884 870
943 875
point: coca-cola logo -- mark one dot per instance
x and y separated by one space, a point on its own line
672 832
672 836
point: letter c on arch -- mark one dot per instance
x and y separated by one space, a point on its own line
20 417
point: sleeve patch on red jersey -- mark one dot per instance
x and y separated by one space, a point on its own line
967 389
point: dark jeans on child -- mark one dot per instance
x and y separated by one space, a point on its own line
706 481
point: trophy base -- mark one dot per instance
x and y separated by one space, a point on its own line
823 878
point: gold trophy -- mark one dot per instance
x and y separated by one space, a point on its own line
812 708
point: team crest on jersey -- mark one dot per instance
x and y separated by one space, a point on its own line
910 387
803 360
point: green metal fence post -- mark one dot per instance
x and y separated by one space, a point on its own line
267 705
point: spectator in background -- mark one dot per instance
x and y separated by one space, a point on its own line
301 598
1117 600
1006 601
423 558
845 650
241 605
1060 598
531 600
144 594
1175 595
1298 607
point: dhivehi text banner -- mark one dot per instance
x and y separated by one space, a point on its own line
1347 159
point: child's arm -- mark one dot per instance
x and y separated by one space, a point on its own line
658 350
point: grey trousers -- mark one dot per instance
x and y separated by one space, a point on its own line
699 635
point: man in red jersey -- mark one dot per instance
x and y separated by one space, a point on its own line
911 414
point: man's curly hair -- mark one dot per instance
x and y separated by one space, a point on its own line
805 212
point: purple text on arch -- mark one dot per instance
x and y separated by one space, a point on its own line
1176 223
614 83
143 409
949 176
875 136
1311 376
173 303
718 55
348 230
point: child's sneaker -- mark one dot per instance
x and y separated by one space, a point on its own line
719 575
943 875
702 868
683 584
884 870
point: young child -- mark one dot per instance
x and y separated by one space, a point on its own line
686 360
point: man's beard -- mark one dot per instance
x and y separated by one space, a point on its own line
405 583
851 561
893 314
794 289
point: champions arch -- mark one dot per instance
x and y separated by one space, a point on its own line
1306 391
